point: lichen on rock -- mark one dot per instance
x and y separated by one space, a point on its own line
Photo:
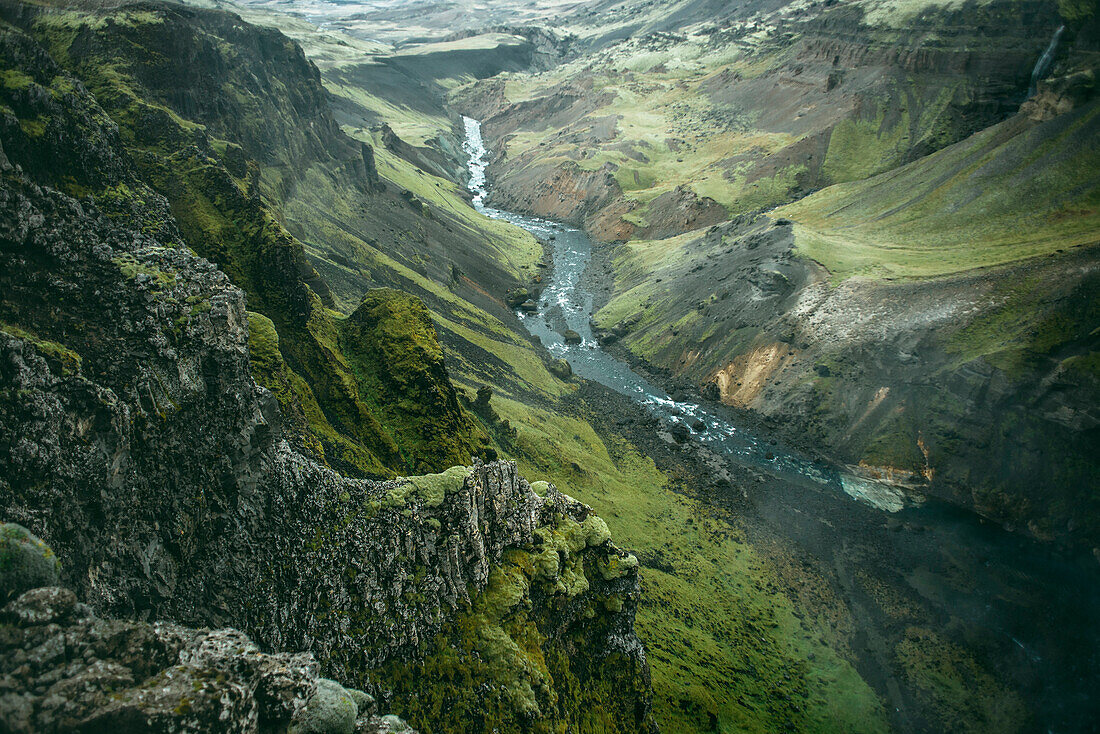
63 668
330 710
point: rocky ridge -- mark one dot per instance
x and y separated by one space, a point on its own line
135 440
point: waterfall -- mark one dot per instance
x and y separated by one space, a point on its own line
1042 66
479 160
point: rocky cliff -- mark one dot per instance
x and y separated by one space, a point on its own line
228 161
135 440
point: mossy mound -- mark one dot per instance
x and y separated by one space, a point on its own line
25 562
331 710
431 489
394 355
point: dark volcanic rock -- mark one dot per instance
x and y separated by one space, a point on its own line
571 337
66 669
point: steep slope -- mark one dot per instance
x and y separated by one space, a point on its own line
936 322
135 441
230 195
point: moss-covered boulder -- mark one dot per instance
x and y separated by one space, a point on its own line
430 489
25 562
561 369
331 710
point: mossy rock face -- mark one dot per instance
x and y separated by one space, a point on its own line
25 562
364 702
395 357
431 489
331 710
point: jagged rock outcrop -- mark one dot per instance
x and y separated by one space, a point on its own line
65 668
134 440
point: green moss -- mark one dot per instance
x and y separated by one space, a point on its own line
721 640
395 358
131 268
307 421
430 489
1024 325
504 663
1011 192
1077 11
964 696
14 79
331 710
25 562
66 359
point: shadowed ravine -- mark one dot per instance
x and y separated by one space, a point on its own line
1028 613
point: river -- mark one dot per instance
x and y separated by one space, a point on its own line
1033 612
564 306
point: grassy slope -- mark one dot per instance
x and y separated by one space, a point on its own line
721 639
736 120
667 106
1008 193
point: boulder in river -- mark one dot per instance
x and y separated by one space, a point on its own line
680 432
516 296
571 337
698 425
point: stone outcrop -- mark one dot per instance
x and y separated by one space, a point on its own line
134 440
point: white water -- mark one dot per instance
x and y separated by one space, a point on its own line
1042 66
564 306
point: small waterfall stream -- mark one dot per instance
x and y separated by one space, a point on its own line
1042 66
